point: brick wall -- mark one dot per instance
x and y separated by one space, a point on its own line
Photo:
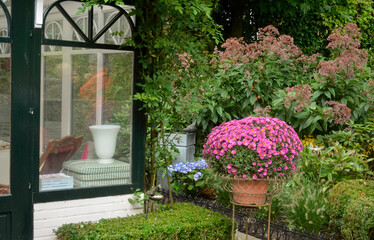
49 216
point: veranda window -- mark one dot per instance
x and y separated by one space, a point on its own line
85 81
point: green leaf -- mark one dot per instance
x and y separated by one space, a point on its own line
316 94
324 125
252 99
227 115
307 122
329 176
245 103
327 94
355 114
332 91
302 115
211 108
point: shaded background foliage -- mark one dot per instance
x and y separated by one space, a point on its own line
308 21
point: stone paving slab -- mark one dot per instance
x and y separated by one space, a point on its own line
241 236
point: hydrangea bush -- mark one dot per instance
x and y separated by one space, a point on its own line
189 177
253 147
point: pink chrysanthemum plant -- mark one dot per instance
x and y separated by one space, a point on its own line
253 147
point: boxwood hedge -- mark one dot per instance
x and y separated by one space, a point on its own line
185 221
351 208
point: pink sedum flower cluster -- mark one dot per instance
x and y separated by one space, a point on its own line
253 147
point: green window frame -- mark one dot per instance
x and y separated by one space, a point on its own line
88 39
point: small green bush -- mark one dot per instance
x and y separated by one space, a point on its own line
185 221
352 209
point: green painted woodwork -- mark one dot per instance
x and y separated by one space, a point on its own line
4 226
21 202
138 141
16 210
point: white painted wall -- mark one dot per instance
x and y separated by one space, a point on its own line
49 216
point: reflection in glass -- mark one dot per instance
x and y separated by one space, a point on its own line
4 118
81 88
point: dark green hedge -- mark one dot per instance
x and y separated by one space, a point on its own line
351 207
185 221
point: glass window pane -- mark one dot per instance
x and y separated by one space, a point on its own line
119 31
59 26
4 119
83 88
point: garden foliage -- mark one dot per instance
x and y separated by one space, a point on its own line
304 204
352 209
190 178
359 137
333 164
185 221
309 22
272 77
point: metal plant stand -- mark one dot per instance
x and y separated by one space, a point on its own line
251 202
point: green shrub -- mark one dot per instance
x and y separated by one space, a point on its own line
359 137
333 164
185 221
351 208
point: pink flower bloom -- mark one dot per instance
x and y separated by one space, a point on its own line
229 166
244 176
254 176
264 138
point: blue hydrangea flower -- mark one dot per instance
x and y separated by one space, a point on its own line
187 166
196 176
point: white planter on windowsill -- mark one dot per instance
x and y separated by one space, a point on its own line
105 138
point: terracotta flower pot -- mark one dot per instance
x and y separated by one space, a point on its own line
250 192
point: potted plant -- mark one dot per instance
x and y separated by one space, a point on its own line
250 151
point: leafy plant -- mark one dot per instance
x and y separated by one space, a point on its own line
359 137
333 164
138 198
245 76
190 177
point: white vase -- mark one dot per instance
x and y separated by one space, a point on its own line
105 138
